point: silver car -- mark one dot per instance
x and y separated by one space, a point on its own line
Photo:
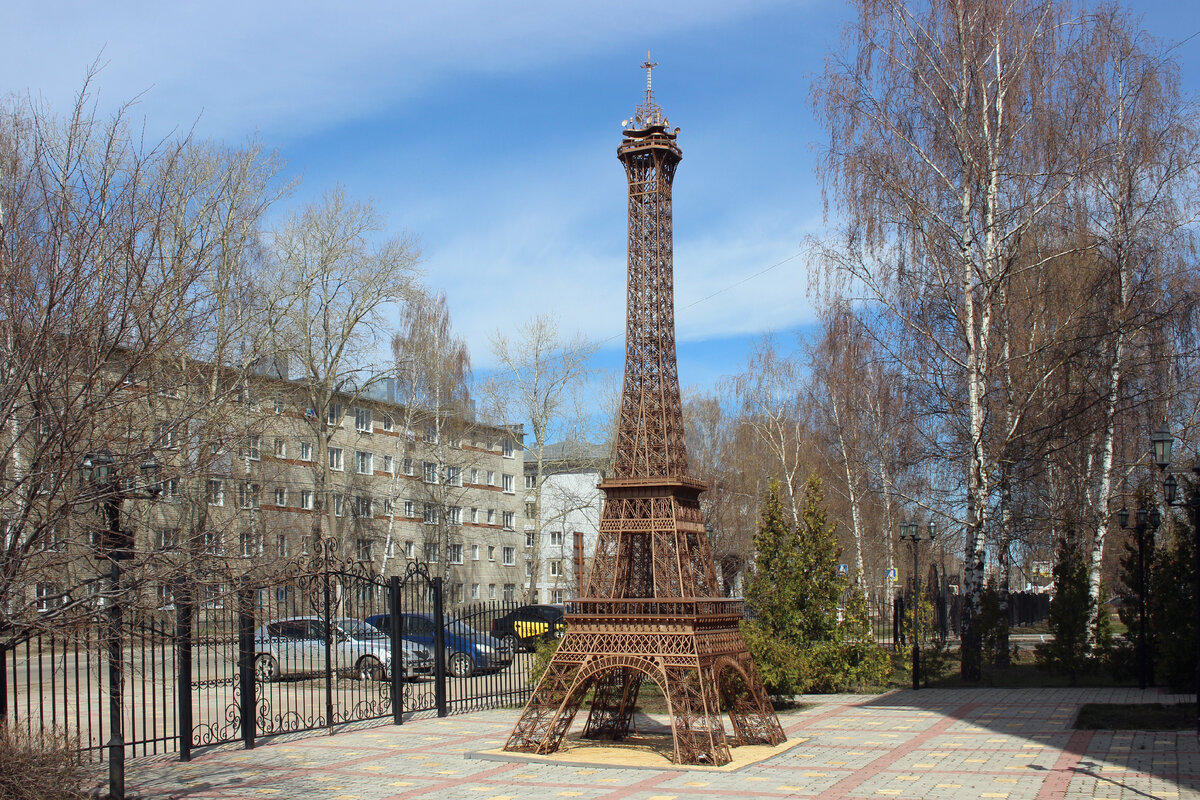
295 646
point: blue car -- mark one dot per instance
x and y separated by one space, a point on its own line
468 651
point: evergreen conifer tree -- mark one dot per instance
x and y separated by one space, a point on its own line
1071 612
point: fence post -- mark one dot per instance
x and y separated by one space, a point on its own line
245 603
397 674
328 624
3 684
439 648
183 667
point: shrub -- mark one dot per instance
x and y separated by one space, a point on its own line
799 643
45 767
541 659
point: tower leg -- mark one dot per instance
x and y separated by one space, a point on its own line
750 710
696 717
551 709
613 704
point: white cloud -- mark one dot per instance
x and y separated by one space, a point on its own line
283 67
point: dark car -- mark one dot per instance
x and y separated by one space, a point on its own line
528 625
468 651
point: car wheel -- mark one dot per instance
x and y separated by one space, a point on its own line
369 668
511 641
460 665
266 668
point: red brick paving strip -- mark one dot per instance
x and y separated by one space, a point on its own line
873 768
1059 779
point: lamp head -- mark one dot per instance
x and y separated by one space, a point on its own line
1155 517
1171 490
1162 441
932 530
1123 517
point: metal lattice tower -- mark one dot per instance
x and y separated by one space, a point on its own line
650 609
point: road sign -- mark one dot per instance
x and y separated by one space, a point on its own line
891 574
843 569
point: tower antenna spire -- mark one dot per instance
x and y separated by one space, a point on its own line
649 113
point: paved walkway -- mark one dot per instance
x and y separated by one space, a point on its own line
936 743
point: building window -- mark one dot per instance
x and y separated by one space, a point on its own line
389 465
247 495
510 592
491 591
491 476
474 591
166 539
280 448
364 550
491 553
491 517
306 451
409 467
431 472
387 506
278 405
531 481
431 515
430 435
389 423
506 447
306 499
281 545
454 515
455 553
410 509
216 492
559 596
281 496
510 520
362 507
166 598
510 556
474 476
531 511
474 552
47 596
335 458
528 569
410 550
474 516
250 544
556 569
164 432
454 476
556 538
364 462
212 543
432 551
509 484
530 538
339 505
252 449
335 414
362 424
169 490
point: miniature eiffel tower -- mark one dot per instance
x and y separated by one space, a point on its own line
650 610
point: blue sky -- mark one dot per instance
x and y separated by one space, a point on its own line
490 130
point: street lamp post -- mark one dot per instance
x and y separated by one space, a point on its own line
911 532
1163 442
1144 520
99 471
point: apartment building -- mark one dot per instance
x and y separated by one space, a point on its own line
562 522
257 482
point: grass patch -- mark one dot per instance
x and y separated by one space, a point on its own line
1022 673
1136 717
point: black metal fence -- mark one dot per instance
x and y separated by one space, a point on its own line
306 650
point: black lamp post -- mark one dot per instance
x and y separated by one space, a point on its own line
99 471
1163 442
911 532
1145 520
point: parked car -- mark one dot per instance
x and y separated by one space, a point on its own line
296 646
468 651
527 626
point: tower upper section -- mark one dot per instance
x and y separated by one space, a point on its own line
650 440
